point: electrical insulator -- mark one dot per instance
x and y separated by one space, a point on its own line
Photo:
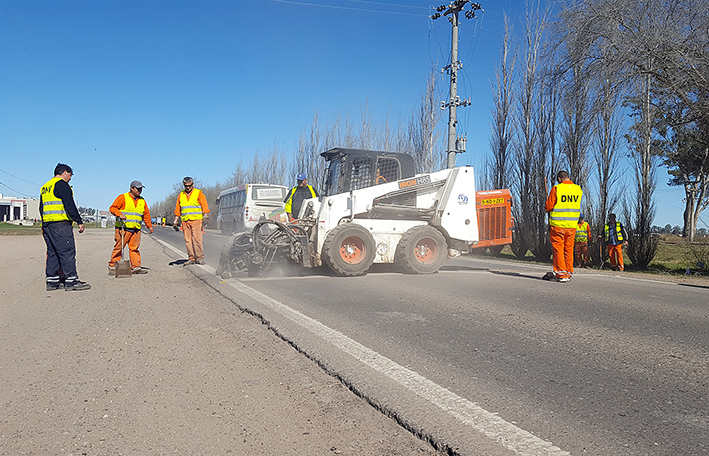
460 142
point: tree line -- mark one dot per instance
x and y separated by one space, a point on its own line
608 90
591 82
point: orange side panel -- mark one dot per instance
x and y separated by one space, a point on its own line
494 217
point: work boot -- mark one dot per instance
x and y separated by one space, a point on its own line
564 279
76 285
140 270
189 262
200 262
111 270
54 286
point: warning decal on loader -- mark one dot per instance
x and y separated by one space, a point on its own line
490 201
415 181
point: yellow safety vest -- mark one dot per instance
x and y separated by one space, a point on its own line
567 209
133 211
618 232
52 207
582 233
289 202
189 206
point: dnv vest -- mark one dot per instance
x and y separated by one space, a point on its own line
618 232
567 209
52 207
189 206
582 233
133 210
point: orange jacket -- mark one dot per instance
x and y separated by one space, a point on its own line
202 202
120 203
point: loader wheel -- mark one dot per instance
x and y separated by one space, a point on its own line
349 249
421 250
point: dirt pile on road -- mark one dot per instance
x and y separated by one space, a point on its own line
160 363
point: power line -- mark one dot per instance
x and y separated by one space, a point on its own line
389 4
349 8
19 178
20 193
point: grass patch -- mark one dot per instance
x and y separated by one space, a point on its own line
12 229
674 256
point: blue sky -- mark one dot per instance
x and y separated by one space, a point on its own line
157 90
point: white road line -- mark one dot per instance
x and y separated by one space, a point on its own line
489 424
207 268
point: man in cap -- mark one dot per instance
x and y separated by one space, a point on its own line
130 210
297 195
192 208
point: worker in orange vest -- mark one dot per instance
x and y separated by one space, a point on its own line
564 208
583 234
192 208
131 211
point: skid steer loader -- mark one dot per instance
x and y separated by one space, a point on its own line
373 209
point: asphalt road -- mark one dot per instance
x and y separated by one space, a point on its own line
484 351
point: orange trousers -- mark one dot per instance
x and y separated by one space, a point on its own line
132 240
562 245
581 253
615 252
193 239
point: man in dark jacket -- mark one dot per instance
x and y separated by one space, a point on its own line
297 195
59 212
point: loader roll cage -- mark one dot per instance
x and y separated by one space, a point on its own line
353 169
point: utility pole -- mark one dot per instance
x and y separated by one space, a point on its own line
456 145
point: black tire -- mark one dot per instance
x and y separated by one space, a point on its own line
349 249
421 250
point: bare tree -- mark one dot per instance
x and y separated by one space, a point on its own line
422 130
497 170
606 160
526 236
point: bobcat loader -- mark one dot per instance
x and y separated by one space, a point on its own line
374 210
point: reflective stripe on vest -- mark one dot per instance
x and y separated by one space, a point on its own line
618 232
189 206
52 207
133 211
567 209
582 233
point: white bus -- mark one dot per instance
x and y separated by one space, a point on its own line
240 208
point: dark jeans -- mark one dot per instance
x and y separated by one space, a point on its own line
61 252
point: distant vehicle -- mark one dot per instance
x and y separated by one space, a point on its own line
240 208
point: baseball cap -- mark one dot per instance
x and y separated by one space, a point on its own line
136 184
581 216
301 176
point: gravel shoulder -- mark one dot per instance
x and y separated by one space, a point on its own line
161 363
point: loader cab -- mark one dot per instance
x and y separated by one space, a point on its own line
353 169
